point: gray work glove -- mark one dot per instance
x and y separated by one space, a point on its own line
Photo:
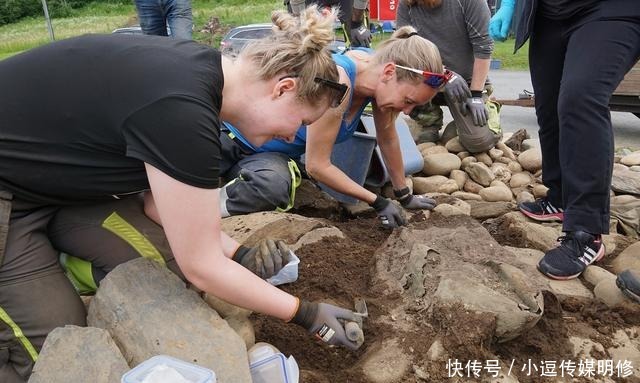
265 259
414 202
323 321
360 35
457 89
475 106
390 215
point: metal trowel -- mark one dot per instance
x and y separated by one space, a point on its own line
353 329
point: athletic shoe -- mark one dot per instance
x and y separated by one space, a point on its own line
629 283
541 210
576 251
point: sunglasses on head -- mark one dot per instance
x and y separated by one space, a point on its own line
338 91
434 80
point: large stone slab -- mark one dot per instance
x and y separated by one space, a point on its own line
626 181
148 311
79 354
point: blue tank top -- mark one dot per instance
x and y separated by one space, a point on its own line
296 148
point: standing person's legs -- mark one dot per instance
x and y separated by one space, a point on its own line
35 295
152 18
546 61
598 56
179 18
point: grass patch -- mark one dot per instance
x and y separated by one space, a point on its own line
503 51
99 17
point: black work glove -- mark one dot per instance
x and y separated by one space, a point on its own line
413 202
265 259
323 321
360 35
475 105
390 215
457 89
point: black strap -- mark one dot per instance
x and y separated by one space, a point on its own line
5 214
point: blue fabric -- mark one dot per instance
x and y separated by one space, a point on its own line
154 16
296 148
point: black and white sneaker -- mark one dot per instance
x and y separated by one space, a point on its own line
629 282
541 210
577 250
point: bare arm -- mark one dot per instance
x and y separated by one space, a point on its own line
191 221
229 245
480 72
389 143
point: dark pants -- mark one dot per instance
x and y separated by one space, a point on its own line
35 294
575 67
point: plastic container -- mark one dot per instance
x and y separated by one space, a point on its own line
190 372
288 274
268 365
413 161
353 157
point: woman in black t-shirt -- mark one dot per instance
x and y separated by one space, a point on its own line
114 116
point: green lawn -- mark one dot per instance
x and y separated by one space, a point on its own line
101 17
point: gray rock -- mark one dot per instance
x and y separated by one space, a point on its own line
540 191
385 363
608 293
496 194
520 179
422 185
495 153
79 354
441 164
628 259
449 210
480 173
506 151
244 328
501 172
626 181
530 143
154 314
484 158
437 149
531 159
460 177
466 161
632 159
466 196
594 275
634 168
317 235
620 167
454 146
463 155
448 187
514 166
532 234
249 229
225 309
482 210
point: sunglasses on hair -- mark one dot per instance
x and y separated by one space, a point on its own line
338 91
434 80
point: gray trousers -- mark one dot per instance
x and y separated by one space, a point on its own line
255 181
35 294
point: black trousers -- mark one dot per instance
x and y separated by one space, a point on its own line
575 67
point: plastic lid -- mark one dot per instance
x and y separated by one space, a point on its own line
271 369
190 372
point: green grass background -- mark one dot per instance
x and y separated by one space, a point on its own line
100 17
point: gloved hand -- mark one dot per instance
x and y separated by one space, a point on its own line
265 259
322 321
360 35
475 105
414 202
457 88
390 215
501 21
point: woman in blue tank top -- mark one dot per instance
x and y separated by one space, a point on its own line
403 72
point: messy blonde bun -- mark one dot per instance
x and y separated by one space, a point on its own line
407 48
298 46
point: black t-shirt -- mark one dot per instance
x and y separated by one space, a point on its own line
80 117
587 10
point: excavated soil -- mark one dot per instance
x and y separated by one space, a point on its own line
339 270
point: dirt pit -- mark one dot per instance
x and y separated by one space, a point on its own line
338 270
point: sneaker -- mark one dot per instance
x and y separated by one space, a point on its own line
629 283
541 210
577 250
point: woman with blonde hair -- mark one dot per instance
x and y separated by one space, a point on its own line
403 72
117 115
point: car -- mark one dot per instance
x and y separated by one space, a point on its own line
135 30
238 37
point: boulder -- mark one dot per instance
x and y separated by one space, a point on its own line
628 259
153 313
514 166
472 187
454 146
540 191
249 229
437 149
79 354
482 210
632 159
422 185
484 158
496 194
480 173
466 196
441 164
385 362
520 179
460 177
524 196
448 187
495 153
626 181
531 159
